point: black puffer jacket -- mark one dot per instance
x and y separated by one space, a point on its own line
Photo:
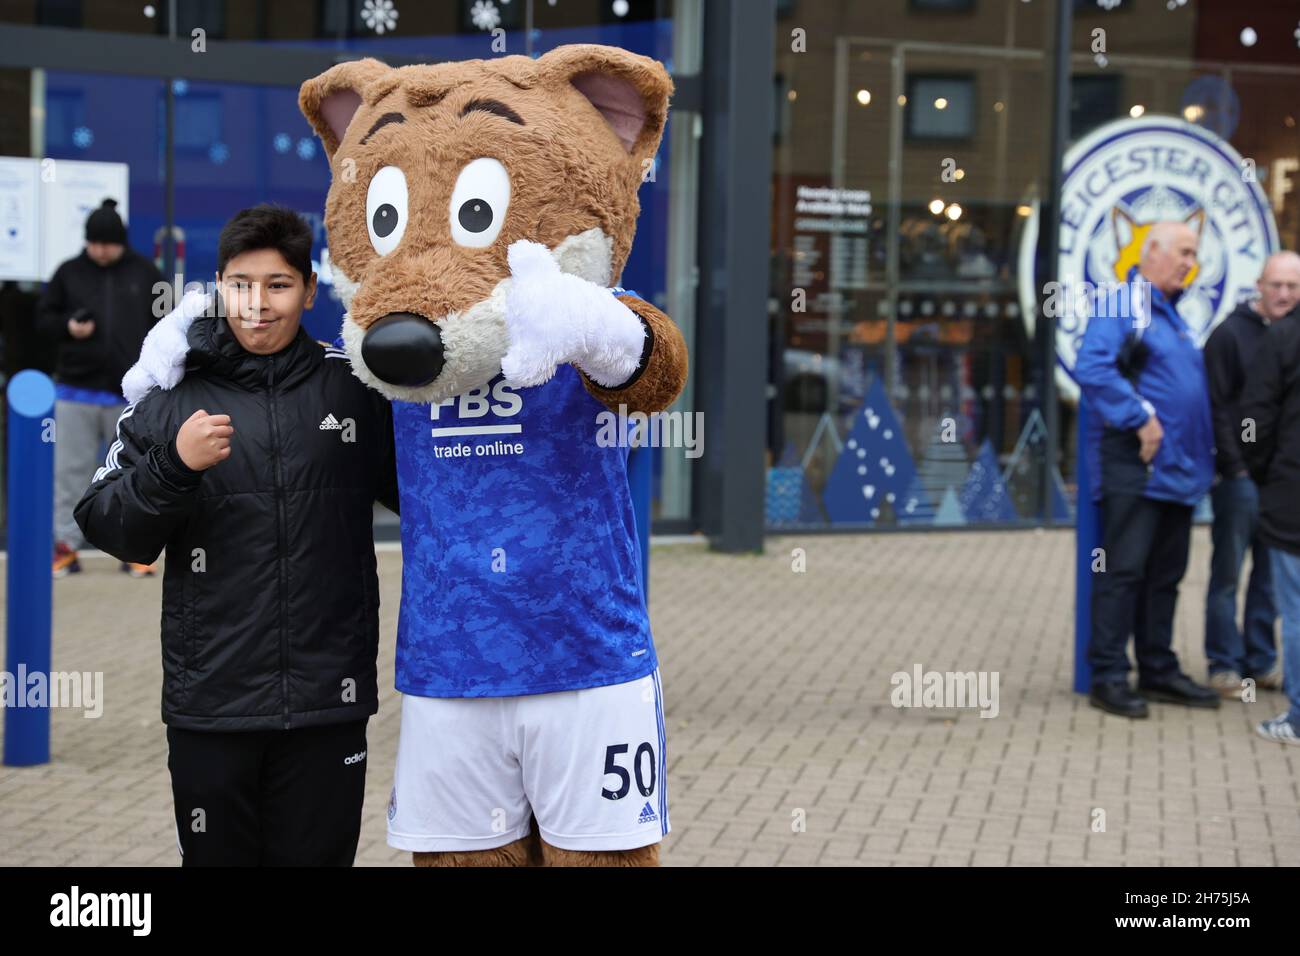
1271 400
120 298
1228 353
270 615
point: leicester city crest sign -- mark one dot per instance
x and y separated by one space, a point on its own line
1122 178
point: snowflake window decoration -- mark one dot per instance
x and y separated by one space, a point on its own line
485 15
379 15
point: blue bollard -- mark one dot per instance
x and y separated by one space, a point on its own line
1087 537
31 543
638 480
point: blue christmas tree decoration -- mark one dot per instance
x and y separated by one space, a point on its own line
915 506
949 513
1023 474
943 467
984 495
875 469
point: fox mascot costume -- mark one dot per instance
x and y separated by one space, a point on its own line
479 220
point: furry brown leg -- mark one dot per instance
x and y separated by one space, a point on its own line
512 854
642 856
525 852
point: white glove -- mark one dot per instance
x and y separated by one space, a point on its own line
553 318
162 356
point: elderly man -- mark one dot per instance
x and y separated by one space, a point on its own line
1151 445
1270 432
1250 651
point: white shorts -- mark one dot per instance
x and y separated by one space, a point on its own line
589 764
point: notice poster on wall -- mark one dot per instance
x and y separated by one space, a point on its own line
830 235
824 254
73 191
20 249
43 210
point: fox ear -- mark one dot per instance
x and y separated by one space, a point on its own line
1122 227
329 101
628 90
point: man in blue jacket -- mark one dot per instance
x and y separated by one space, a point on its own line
1151 448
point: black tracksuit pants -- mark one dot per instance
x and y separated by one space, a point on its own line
268 797
1146 544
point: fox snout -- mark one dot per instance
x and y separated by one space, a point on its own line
403 349
420 322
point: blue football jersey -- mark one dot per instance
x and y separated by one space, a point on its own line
521 571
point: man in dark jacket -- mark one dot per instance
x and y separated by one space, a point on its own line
1251 650
1152 445
257 473
97 308
1270 410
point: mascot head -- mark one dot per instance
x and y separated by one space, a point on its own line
438 169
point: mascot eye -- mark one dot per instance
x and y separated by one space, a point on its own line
386 209
478 203
475 215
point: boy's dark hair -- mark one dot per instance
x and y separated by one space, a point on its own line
267 226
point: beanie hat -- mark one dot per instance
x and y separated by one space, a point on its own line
105 225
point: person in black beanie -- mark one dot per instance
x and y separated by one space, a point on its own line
97 308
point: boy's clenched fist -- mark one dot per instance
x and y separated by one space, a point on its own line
204 440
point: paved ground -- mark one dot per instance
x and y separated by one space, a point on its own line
783 744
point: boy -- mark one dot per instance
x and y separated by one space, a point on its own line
257 473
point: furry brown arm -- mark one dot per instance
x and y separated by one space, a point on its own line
662 375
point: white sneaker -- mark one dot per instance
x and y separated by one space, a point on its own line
1226 684
1279 729
1272 680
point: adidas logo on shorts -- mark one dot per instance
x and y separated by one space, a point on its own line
355 758
647 814
330 422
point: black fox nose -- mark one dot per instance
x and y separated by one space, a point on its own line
403 349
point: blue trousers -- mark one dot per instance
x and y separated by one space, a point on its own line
1286 576
1249 650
